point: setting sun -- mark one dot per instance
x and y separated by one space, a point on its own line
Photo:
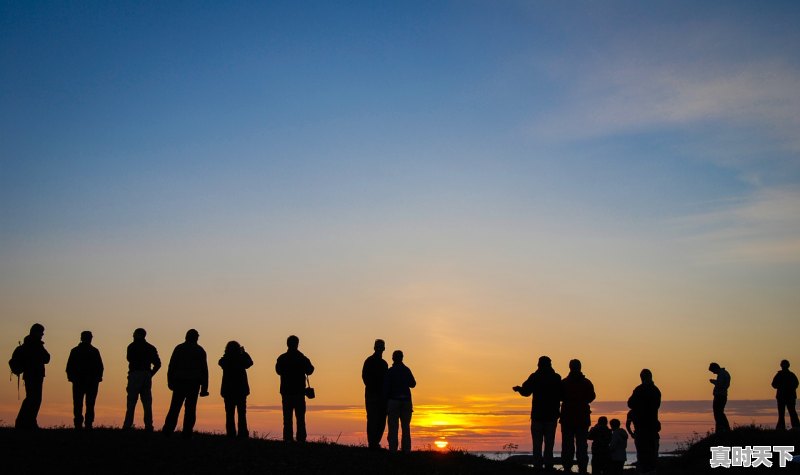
441 444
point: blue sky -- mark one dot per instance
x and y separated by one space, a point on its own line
444 173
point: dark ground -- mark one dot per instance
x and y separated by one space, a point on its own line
112 451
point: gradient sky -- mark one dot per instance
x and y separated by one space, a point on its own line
477 182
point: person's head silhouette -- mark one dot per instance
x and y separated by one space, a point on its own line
575 366
615 424
292 342
232 347
714 368
139 334
646 375
397 356
602 421
380 346
37 331
86 336
545 362
192 336
785 364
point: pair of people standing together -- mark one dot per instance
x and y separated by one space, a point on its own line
387 395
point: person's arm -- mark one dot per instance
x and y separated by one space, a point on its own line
204 374
45 355
364 371
71 366
100 366
156 362
309 367
412 383
248 361
526 389
591 394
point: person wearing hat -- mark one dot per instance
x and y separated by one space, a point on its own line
544 387
84 371
32 357
187 377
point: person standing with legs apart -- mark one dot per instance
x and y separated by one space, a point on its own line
577 392
785 384
544 387
143 364
84 371
397 387
643 415
721 385
372 373
235 387
293 368
187 377
28 360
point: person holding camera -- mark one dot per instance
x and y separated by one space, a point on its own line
293 368
235 387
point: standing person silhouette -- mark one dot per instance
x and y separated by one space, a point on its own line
143 364
721 385
372 374
187 377
544 387
785 384
235 387
84 371
397 387
600 435
293 368
577 392
644 404
32 358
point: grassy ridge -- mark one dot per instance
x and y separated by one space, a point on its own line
112 451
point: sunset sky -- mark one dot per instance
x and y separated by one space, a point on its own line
476 182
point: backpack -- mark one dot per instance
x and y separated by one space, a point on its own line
17 361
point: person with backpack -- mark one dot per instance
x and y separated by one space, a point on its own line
28 360
84 371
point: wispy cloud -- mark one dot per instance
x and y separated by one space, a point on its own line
761 227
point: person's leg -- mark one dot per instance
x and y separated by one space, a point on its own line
781 417
567 445
174 411
300 412
582 448
230 425
91 398
241 409
720 421
373 416
191 393
77 405
537 436
394 425
132 390
146 393
33 392
405 426
793 413
549 442
288 423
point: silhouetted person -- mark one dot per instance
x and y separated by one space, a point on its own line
544 387
721 385
293 368
372 374
577 392
143 364
187 377
644 404
397 389
785 383
617 449
84 371
235 387
600 435
33 357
